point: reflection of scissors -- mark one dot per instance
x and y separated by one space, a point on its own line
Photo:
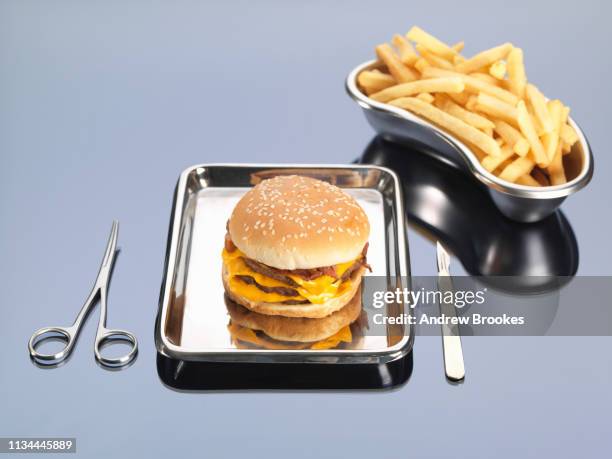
104 336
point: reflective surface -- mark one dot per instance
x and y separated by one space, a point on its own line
446 204
194 376
104 103
454 367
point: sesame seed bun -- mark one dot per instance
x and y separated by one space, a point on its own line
296 222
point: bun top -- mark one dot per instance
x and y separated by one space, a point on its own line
296 222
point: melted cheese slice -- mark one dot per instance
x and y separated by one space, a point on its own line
249 336
343 335
316 291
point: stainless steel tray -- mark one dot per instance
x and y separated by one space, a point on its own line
192 319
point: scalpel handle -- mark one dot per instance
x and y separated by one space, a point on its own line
451 340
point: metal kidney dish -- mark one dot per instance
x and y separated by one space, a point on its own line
518 202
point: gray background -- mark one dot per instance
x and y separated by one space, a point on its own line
102 104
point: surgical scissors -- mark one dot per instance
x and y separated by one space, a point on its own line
104 335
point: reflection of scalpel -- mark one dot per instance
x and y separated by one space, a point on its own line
451 340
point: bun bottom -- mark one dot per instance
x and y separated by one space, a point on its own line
296 329
309 310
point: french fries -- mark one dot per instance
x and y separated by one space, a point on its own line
568 135
458 47
557 174
498 70
528 129
433 59
461 98
406 51
474 119
538 103
399 71
491 163
472 84
484 59
527 180
486 77
517 168
375 81
452 124
445 84
485 101
512 137
550 140
430 42
426 97
496 108
517 80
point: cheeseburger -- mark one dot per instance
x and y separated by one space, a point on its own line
295 253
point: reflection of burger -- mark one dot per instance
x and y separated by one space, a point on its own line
295 253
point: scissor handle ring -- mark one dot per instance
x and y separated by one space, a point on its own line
49 333
109 336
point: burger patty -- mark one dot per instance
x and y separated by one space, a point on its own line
285 291
269 271
288 291
295 302
309 274
282 275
